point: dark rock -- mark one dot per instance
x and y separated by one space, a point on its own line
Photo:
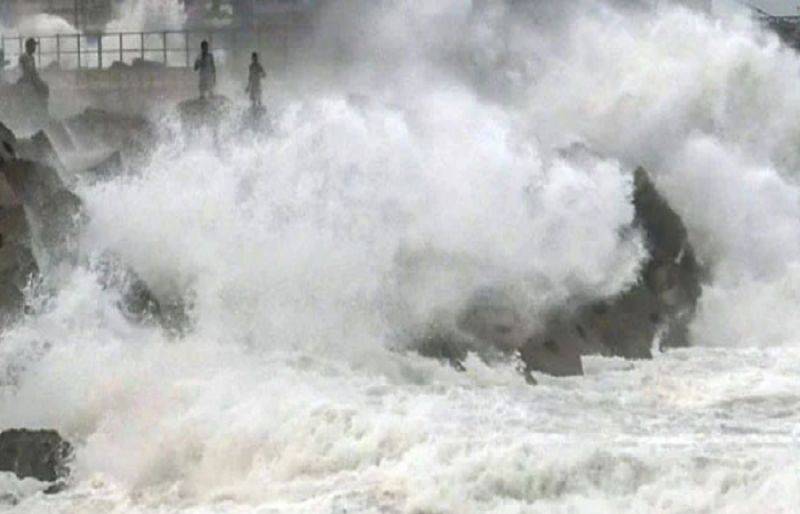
138 302
39 149
656 310
8 144
53 210
35 201
35 206
555 349
40 454
96 128
17 262
444 346
672 277
106 167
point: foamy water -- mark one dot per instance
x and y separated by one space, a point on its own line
425 167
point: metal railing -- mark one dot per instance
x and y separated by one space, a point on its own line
174 49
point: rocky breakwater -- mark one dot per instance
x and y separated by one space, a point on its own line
46 215
40 217
17 263
654 313
97 144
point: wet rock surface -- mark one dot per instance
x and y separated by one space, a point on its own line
17 262
39 148
655 312
8 142
95 127
36 206
40 454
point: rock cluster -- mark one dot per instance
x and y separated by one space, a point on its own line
17 263
39 454
36 201
657 310
38 210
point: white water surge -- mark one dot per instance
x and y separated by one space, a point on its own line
386 195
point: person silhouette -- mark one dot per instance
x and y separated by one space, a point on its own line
254 82
208 71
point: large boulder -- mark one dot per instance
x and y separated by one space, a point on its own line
53 210
115 130
8 143
36 206
39 148
96 130
138 303
40 454
17 262
655 312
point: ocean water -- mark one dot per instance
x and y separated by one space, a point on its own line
415 157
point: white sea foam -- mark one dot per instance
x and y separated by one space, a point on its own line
147 15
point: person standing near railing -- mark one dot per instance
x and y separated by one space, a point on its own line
254 82
30 75
208 71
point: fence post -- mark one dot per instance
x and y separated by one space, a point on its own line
188 51
141 41
121 51
166 56
100 52
78 45
58 50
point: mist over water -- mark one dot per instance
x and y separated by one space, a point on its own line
147 15
416 158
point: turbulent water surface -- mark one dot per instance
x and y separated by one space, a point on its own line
415 158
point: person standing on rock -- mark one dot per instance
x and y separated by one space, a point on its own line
254 82
30 75
208 71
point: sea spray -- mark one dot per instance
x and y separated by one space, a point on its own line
442 140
